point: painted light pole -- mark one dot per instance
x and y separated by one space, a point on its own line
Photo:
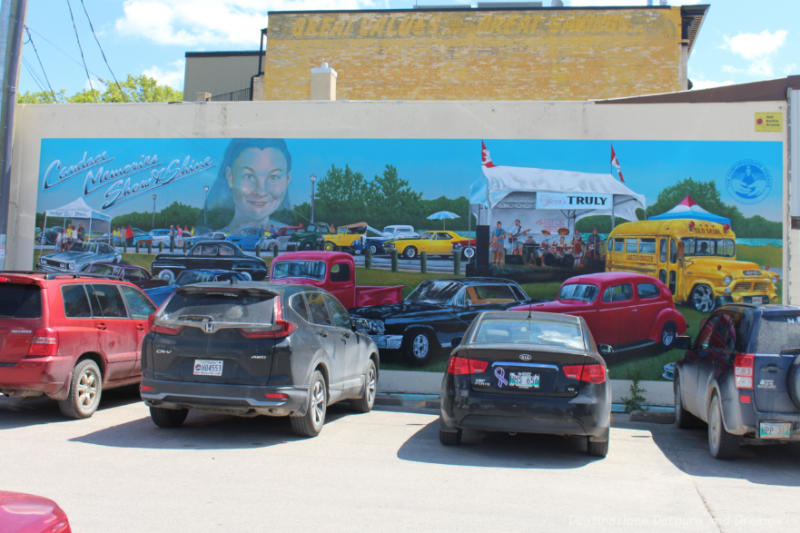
205 205
313 181
153 221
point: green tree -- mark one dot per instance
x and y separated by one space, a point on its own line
390 197
341 195
135 88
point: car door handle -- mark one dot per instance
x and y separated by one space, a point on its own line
140 327
100 325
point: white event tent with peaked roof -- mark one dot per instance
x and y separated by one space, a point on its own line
78 211
509 193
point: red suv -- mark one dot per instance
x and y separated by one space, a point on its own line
69 337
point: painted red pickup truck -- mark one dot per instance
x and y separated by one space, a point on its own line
334 272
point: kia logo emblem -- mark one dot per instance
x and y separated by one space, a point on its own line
525 357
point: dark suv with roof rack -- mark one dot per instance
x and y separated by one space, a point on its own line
69 337
742 377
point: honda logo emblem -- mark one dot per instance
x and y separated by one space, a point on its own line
208 326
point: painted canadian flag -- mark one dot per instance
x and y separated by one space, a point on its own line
615 164
486 159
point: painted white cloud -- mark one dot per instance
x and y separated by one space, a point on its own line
172 75
201 23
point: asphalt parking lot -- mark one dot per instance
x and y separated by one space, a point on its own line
381 471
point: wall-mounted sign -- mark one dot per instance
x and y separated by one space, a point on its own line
558 200
769 121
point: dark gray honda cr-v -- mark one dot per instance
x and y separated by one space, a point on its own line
253 348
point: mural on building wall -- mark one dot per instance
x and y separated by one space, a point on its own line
702 217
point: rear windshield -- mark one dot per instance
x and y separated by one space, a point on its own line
299 269
778 332
20 301
542 332
221 306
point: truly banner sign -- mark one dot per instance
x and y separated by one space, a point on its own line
557 200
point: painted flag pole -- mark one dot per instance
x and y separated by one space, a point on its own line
615 164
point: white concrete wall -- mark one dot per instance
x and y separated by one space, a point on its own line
342 119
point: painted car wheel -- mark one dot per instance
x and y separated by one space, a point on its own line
246 275
329 247
668 333
410 252
469 252
372 249
417 347
167 275
702 298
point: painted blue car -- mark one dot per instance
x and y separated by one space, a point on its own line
160 294
247 238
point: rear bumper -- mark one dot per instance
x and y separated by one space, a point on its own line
36 376
239 400
581 415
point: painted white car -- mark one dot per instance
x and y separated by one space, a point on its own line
400 231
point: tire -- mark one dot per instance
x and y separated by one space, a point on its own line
85 389
702 298
721 444
372 249
793 383
328 246
367 400
448 437
247 276
683 418
168 418
305 246
417 347
310 424
668 333
469 252
410 252
596 448
167 275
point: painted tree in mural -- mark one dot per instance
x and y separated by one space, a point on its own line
390 200
341 196
133 89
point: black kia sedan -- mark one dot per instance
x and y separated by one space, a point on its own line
254 348
522 372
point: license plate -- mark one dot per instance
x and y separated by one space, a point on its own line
207 367
775 430
523 380
756 300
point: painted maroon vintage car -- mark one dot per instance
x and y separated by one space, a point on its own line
623 309
334 272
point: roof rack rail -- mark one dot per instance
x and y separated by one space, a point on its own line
19 272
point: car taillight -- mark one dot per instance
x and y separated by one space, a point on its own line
44 343
462 365
276 396
743 366
594 373
280 327
165 330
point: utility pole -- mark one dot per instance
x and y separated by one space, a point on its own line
12 24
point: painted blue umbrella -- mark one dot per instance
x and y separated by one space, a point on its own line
442 215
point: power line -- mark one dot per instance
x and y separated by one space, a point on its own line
91 26
75 29
34 76
36 52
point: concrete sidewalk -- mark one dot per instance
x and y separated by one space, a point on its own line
394 382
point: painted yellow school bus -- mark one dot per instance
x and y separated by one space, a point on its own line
696 259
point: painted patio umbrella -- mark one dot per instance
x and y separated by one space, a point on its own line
442 215
688 208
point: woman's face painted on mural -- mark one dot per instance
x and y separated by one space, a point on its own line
258 181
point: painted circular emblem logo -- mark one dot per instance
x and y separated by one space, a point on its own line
748 181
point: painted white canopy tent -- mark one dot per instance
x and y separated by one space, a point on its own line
78 211
509 193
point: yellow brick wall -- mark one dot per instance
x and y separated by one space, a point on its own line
564 54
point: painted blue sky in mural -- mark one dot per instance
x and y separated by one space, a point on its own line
119 176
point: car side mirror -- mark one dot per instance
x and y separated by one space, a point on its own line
605 349
682 342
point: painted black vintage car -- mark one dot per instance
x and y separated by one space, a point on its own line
209 254
435 314
137 275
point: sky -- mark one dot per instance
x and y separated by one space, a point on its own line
740 40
